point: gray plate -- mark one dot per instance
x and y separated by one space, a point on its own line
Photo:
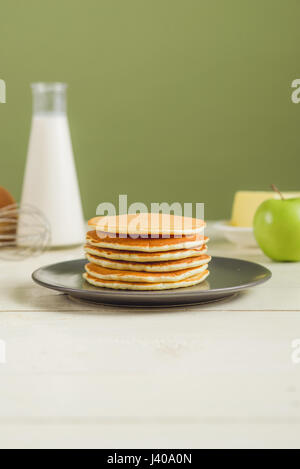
227 276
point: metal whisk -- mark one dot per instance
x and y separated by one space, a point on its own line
24 232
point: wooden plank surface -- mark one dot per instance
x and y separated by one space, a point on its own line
217 375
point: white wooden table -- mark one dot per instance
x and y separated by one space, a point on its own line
217 375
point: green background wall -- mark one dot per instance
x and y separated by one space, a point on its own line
169 100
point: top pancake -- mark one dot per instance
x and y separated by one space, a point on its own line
147 224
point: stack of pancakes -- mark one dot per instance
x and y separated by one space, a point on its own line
146 252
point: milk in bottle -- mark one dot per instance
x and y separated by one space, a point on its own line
50 182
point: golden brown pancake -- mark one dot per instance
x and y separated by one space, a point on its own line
147 223
121 285
135 256
146 245
165 266
131 276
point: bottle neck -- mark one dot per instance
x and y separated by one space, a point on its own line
49 98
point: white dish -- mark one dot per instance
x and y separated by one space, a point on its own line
242 236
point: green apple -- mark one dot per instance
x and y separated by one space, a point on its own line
277 229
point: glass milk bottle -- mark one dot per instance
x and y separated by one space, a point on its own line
50 182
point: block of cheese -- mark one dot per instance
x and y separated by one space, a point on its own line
246 202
